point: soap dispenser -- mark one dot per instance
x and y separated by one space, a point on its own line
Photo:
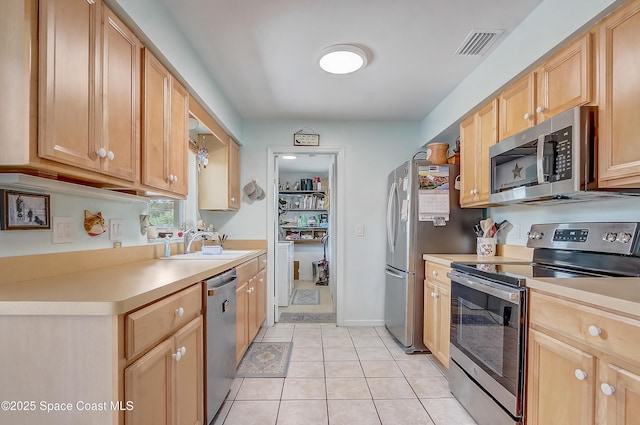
167 247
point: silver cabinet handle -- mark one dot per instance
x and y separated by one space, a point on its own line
580 374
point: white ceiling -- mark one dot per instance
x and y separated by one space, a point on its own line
308 163
263 54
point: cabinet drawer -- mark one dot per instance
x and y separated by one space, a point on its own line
150 324
437 273
262 262
247 270
612 334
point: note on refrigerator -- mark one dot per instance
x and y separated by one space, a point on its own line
433 194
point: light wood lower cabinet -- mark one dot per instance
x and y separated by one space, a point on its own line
166 384
437 314
583 366
251 300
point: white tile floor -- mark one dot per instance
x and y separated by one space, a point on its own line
347 376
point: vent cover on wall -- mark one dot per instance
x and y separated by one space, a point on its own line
478 42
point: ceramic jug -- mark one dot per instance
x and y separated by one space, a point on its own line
437 153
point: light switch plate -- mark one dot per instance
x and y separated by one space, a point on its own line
116 229
62 229
360 230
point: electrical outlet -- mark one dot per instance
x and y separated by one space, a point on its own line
517 231
116 229
62 229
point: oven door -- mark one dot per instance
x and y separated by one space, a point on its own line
488 330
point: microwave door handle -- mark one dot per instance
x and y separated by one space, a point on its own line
540 159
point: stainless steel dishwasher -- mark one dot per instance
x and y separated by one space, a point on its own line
220 331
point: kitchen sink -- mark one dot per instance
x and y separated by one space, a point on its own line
227 254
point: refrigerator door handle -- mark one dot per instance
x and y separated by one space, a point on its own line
392 273
391 218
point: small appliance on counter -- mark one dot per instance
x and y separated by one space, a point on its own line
489 310
423 216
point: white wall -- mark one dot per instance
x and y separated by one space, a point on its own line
547 27
162 34
371 151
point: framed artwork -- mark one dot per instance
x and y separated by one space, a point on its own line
300 139
24 211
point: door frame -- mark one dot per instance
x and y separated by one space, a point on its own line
336 240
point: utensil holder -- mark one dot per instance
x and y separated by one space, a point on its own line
486 247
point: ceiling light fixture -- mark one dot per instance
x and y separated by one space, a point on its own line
288 157
343 59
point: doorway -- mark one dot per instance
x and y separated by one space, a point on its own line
304 205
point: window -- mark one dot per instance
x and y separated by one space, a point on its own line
166 213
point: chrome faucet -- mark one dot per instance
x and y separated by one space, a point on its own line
192 234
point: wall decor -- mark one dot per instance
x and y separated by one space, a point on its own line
94 223
301 139
24 211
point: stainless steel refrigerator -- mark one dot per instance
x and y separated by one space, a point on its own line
423 217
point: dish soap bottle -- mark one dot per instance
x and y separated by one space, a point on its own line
167 247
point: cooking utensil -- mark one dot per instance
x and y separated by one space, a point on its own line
486 226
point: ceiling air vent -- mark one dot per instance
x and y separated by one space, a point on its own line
478 42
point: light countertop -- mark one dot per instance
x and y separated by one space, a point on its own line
109 290
618 294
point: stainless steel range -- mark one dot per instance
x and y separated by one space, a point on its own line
489 310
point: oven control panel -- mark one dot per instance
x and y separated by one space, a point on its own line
614 238
570 235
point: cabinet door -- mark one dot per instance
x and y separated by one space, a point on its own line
517 107
242 319
120 108
565 80
148 384
234 175
444 321
555 392
468 149
156 122
69 75
261 297
430 316
189 374
178 138
253 308
623 406
619 63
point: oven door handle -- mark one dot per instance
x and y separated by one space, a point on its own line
496 289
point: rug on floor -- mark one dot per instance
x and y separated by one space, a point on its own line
307 318
265 360
305 297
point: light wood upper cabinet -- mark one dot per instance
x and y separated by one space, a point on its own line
69 81
120 108
517 107
566 80
477 133
165 133
219 183
619 63
89 88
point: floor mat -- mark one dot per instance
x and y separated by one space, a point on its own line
307 318
306 297
265 360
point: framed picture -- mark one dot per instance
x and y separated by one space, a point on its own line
24 211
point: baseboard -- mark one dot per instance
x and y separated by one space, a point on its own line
373 323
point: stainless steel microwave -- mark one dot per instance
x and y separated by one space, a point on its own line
552 162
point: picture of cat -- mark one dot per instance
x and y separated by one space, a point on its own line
94 224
